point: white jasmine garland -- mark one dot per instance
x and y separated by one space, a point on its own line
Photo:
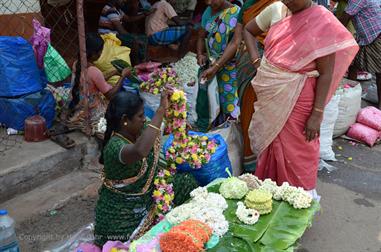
246 215
205 207
295 196
269 186
102 125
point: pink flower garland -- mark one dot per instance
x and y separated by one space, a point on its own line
194 150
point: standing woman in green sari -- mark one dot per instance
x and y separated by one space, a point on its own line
218 25
125 209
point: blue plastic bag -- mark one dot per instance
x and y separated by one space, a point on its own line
14 111
216 168
19 74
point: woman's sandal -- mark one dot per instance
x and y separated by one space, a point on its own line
58 129
63 141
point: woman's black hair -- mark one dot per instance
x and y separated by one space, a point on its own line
122 104
94 45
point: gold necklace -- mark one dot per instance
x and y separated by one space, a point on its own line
123 137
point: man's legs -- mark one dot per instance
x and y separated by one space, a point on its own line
378 82
352 72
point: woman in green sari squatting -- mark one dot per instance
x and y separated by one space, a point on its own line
131 156
218 25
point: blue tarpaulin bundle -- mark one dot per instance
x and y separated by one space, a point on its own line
22 85
19 74
13 112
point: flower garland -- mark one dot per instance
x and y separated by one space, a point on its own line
205 207
194 150
163 194
297 197
159 79
246 215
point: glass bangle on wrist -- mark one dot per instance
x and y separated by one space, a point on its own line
154 127
255 61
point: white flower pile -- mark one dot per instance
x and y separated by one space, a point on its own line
295 196
102 125
247 215
205 207
187 69
271 187
233 188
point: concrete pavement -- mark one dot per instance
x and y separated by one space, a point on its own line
350 218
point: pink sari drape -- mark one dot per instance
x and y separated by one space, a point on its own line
285 86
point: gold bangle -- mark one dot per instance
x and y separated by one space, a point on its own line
218 65
255 61
154 127
319 110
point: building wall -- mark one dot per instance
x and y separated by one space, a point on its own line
16 17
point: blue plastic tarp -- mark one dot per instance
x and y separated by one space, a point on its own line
19 74
14 111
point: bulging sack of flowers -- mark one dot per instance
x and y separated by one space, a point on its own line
349 106
327 126
214 168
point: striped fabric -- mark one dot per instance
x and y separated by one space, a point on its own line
369 57
109 15
168 36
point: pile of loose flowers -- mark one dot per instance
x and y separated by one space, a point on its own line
159 79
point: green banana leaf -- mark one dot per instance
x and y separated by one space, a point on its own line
277 231
120 64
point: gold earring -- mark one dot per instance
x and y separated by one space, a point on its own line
125 123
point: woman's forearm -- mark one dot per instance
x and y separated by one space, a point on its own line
115 89
325 66
251 44
147 139
232 47
110 74
323 86
200 46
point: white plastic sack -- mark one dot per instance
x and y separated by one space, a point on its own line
231 133
150 100
331 113
84 235
349 106
371 94
214 100
191 93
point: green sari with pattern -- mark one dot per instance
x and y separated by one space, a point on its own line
125 209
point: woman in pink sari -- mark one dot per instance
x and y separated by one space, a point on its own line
307 52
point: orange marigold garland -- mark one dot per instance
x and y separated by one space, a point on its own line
189 236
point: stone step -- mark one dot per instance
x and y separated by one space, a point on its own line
52 196
30 165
